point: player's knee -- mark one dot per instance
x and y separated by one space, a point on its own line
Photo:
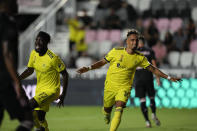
107 109
142 100
41 115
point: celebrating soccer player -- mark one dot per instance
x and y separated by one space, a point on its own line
123 64
48 67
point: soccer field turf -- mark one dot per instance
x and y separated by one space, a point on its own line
89 118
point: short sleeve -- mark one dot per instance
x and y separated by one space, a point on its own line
58 64
31 59
144 63
110 55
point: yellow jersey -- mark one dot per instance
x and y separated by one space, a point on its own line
73 26
48 68
122 68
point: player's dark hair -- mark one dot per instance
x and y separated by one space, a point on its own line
132 31
45 36
141 37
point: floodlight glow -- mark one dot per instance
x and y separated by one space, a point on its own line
166 84
185 83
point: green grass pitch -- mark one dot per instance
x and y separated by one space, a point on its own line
89 118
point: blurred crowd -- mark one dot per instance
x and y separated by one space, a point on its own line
164 30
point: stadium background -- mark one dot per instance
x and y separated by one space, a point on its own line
87 90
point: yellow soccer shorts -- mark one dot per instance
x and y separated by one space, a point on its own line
44 98
110 97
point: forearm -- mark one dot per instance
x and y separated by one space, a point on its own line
26 73
98 64
157 72
65 84
155 65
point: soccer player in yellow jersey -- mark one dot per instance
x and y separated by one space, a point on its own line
48 67
123 63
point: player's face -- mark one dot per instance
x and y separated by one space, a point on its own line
40 45
132 41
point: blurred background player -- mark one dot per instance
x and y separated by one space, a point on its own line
47 66
143 83
123 64
12 96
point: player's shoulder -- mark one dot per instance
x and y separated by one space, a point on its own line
33 52
51 54
138 53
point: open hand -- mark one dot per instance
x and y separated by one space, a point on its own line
82 70
61 102
21 95
174 79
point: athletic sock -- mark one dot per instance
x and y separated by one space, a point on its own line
44 124
116 119
152 106
36 121
144 110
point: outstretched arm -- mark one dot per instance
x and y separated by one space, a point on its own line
96 65
159 73
157 77
26 73
65 85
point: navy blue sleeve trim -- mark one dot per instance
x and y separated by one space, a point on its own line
106 59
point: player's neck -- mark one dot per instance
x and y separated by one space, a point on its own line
43 52
130 51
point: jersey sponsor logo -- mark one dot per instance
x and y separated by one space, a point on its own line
120 66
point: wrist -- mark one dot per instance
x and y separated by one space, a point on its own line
90 67
168 77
